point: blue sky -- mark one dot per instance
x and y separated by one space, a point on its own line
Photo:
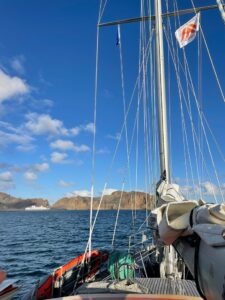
47 73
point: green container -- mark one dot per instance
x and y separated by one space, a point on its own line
121 265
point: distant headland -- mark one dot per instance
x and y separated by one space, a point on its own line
130 200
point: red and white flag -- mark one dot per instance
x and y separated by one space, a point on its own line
186 33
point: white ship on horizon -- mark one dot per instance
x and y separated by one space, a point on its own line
35 208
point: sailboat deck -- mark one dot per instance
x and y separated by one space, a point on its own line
142 288
167 286
128 297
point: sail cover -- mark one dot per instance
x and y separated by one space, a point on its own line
168 192
174 220
178 217
187 32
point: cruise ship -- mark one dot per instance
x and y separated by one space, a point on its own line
35 208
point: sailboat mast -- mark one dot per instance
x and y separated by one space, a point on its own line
162 114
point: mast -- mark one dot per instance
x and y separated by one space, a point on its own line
162 115
168 265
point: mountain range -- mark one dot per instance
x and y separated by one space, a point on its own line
129 200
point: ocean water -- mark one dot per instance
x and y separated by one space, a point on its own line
32 244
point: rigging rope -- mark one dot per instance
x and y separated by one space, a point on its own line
91 225
101 10
94 133
197 161
137 131
202 117
175 60
214 139
221 8
118 142
127 112
210 57
194 143
198 108
125 119
206 139
191 119
117 215
169 96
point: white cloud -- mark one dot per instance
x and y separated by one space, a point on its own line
65 184
6 181
14 138
81 193
16 135
108 192
186 189
6 176
89 127
62 145
11 86
75 130
41 167
210 188
206 188
69 145
114 137
17 64
12 167
32 171
44 124
58 158
81 148
30 176
38 124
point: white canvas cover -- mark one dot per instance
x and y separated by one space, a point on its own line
173 218
169 192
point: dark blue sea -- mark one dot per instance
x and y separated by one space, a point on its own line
32 244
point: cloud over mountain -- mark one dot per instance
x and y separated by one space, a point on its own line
81 193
